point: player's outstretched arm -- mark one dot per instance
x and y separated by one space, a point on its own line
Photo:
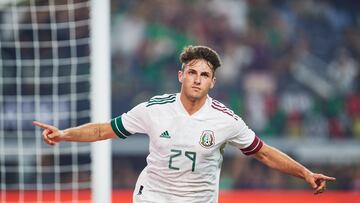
276 159
89 132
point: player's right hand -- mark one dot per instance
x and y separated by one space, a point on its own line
318 181
51 134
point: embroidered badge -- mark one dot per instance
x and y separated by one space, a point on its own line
207 139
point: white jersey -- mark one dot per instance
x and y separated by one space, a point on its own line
185 150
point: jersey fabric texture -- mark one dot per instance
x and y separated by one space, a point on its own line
185 150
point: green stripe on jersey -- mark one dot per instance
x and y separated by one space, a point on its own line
118 128
160 102
163 99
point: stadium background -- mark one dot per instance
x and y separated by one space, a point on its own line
274 55
290 69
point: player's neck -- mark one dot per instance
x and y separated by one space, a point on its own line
191 105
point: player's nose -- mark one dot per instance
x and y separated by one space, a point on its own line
197 79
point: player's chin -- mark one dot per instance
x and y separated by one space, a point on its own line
197 95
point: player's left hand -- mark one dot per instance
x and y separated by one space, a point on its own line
318 182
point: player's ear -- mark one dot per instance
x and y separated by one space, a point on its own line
180 76
213 82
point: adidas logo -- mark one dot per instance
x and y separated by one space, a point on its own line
165 134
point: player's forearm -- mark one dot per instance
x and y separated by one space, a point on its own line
278 160
88 132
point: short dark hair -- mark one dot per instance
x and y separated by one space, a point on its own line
190 53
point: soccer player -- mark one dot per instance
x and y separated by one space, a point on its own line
187 132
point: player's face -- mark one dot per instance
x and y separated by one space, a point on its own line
196 79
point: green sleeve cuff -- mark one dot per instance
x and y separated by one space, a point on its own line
118 128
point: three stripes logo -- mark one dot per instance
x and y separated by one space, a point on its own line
165 134
163 99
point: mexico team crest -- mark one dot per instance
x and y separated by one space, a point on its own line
207 139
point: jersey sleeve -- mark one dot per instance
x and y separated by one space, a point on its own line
134 121
245 139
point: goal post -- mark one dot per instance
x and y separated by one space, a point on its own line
100 97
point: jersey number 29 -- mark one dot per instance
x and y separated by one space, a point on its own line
188 154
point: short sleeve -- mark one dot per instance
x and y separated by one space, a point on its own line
245 139
134 121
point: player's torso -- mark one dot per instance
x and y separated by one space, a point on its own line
188 137
185 151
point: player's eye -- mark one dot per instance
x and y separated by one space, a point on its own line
191 72
205 75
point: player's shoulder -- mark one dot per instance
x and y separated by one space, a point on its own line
222 110
161 100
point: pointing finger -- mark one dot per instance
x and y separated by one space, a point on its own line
328 178
324 177
43 125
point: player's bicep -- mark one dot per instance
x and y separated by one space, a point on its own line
134 121
245 139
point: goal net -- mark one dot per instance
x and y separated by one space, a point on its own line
44 76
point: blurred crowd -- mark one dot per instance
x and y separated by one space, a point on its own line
290 68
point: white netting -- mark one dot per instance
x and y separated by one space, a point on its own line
44 76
